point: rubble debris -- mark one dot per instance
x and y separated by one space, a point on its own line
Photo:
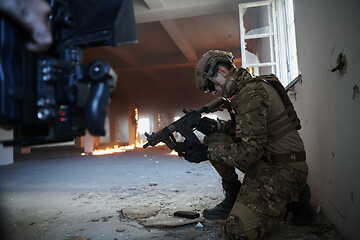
322 227
199 225
78 238
142 212
103 219
121 229
87 195
163 220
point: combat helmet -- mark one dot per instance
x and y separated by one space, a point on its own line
205 68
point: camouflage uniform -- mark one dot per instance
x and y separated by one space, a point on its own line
268 187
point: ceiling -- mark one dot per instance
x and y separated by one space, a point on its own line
157 73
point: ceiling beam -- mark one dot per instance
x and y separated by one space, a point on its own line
157 67
154 4
179 39
125 55
129 57
157 11
174 32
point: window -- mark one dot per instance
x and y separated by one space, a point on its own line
267 39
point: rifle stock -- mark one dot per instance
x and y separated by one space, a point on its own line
185 125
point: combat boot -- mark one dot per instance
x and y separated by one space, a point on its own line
303 213
222 210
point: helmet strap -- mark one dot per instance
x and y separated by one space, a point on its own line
231 77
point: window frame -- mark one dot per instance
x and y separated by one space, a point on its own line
282 39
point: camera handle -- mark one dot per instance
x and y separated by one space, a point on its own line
103 81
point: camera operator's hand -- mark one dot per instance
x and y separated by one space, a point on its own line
192 151
206 125
33 15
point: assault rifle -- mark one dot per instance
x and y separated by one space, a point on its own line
185 125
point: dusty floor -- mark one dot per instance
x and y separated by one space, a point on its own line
57 194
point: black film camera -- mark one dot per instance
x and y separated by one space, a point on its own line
51 97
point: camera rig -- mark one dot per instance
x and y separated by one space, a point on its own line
51 97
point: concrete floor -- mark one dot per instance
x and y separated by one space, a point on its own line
57 194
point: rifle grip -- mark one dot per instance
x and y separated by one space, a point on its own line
170 142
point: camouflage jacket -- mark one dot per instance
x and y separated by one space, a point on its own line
250 104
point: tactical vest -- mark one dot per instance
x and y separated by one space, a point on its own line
288 120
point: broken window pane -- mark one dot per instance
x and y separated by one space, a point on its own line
258 20
262 48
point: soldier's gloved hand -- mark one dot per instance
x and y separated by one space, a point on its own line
206 125
192 151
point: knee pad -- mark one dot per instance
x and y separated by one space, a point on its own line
242 223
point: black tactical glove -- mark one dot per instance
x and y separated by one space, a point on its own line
206 125
192 151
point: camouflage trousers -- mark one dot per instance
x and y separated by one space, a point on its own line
262 201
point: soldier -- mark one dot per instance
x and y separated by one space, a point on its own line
261 140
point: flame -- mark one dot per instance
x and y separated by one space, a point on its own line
121 149
173 152
159 120
114 149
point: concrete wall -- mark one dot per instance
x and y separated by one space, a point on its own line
328 104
